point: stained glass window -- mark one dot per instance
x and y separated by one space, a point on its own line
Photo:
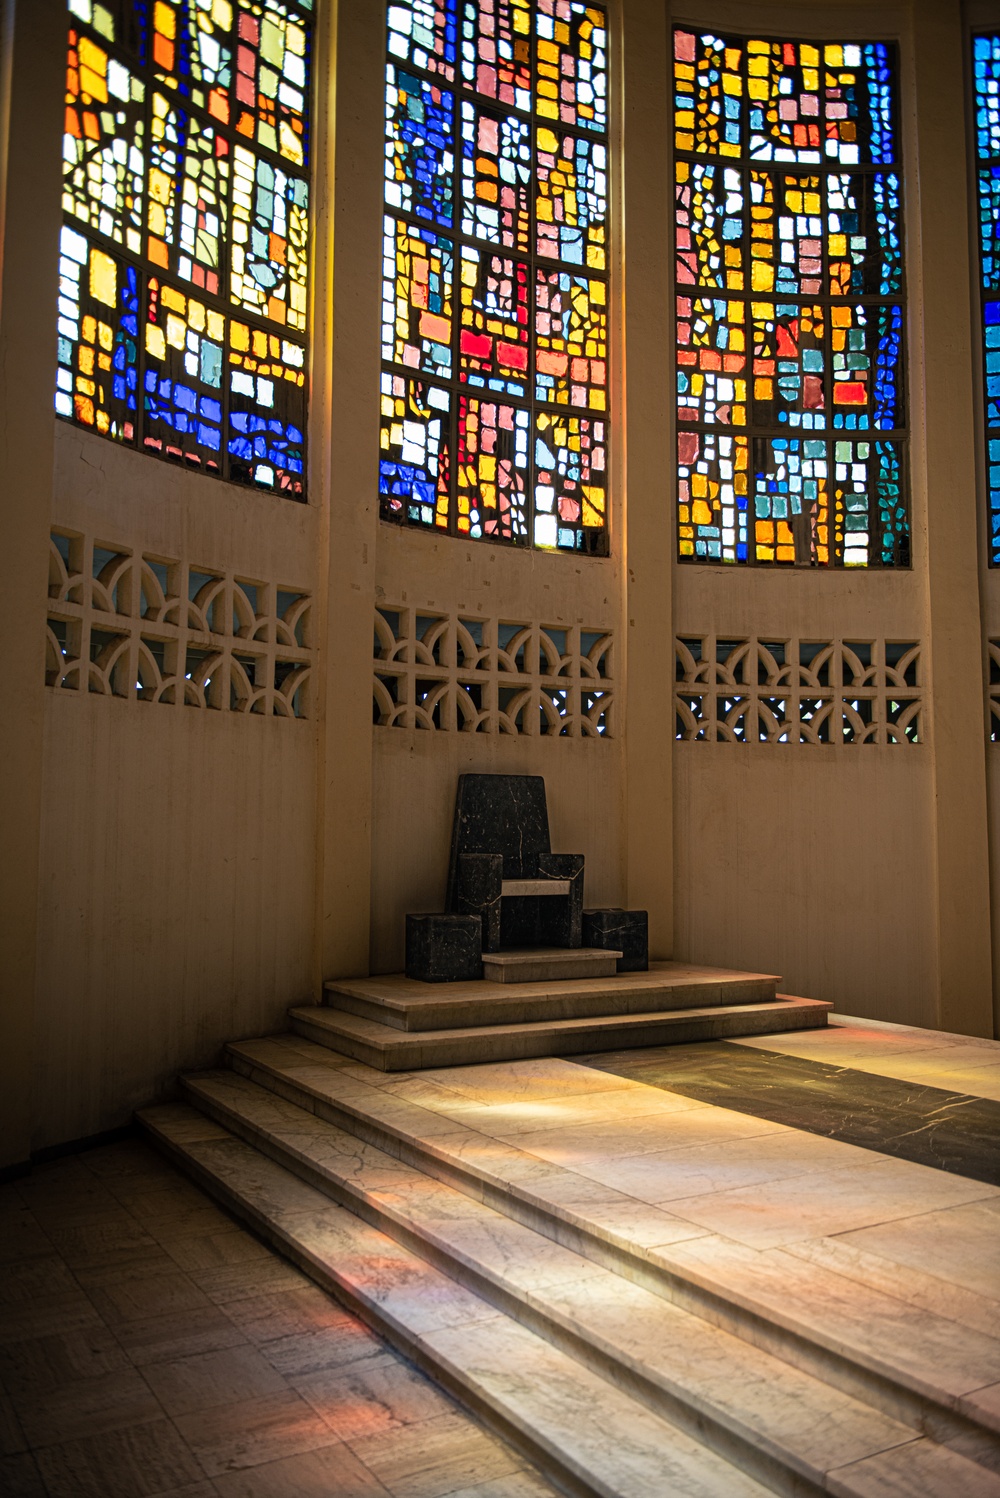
495 303
986 82
185 242
789 267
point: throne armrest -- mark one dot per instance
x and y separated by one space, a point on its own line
565 928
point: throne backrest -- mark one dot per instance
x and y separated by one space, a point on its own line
503 814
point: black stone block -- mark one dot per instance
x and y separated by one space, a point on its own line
444 948
626 931
480 876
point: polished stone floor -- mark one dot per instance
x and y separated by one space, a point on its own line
150 1346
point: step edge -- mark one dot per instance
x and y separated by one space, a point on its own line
362 985
521 956
557 1465
765 990
421 1018
663 1395
733 1307
416 1053
333 1020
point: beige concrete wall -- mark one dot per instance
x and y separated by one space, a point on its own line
175 898
813 865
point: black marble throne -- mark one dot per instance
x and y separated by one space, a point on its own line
503 869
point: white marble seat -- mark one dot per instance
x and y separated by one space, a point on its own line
535 887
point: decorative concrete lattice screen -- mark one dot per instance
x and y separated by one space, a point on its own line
791 691
468 675
157 629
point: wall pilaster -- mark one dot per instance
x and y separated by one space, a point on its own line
944 463
645 475
33 46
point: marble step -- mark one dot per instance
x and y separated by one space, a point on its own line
548 964
406 1004
389 1049
787 1428
826 1311
587 1436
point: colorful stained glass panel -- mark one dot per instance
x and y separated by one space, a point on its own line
791 504
98 338
425 33
492 465
271 82
186 136
788 365
986 94
570 340
414 469
496 50
420 147
163 180
786 234
210 28
270 240
986 80
570 478
867 353
709 89
267 409
989 226
711 361
103 142
571 64
813 103
496 177
419 271
203 228
493 331
870 516
790 325
184 369
495 267
571 205
712 469
864 234
710 225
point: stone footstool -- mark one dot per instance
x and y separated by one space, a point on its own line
624 930
444 948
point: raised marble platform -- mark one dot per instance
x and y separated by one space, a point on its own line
397 1024
548 964
544 1240
395 1000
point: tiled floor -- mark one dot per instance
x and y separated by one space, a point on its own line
150 1346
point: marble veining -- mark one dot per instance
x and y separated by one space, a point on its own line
950 1131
